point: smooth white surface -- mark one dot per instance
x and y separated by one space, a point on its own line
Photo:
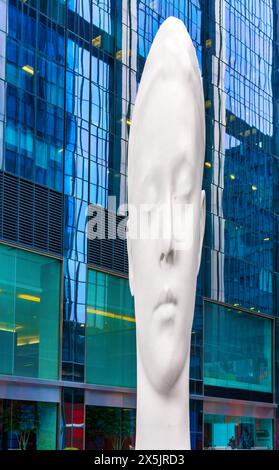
165 165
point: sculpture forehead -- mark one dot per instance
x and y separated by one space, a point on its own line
172 45
166 127
168 117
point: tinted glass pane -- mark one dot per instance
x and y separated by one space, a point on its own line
72 419
110 428
237 432
35 92
237 349
110 332
46 435
28 425
29 313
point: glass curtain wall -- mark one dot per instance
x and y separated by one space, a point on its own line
110 331
35 92
237 349
29 304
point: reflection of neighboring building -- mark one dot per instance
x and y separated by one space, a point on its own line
240 242
248 229
67 326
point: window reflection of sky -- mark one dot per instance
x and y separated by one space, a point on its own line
249 49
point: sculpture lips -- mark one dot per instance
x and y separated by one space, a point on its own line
166 297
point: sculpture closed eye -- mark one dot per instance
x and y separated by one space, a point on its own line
165 166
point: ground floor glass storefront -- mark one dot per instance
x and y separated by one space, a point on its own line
27 425
30 425
109 428
237 432
114 428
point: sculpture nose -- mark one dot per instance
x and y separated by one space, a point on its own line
167 256
167 246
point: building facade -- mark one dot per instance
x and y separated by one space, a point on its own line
69 71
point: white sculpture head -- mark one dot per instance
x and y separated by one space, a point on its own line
165 168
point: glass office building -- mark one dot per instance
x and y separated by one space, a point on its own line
69 71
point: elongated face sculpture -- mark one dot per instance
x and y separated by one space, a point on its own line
165 167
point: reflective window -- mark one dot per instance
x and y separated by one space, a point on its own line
29 319
110 331
27 425
237 432
237 349
196 421
72 419
35 94
110 428
241 173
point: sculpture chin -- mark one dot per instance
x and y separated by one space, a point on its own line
164 354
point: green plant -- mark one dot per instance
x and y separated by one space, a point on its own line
112 423
21 418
